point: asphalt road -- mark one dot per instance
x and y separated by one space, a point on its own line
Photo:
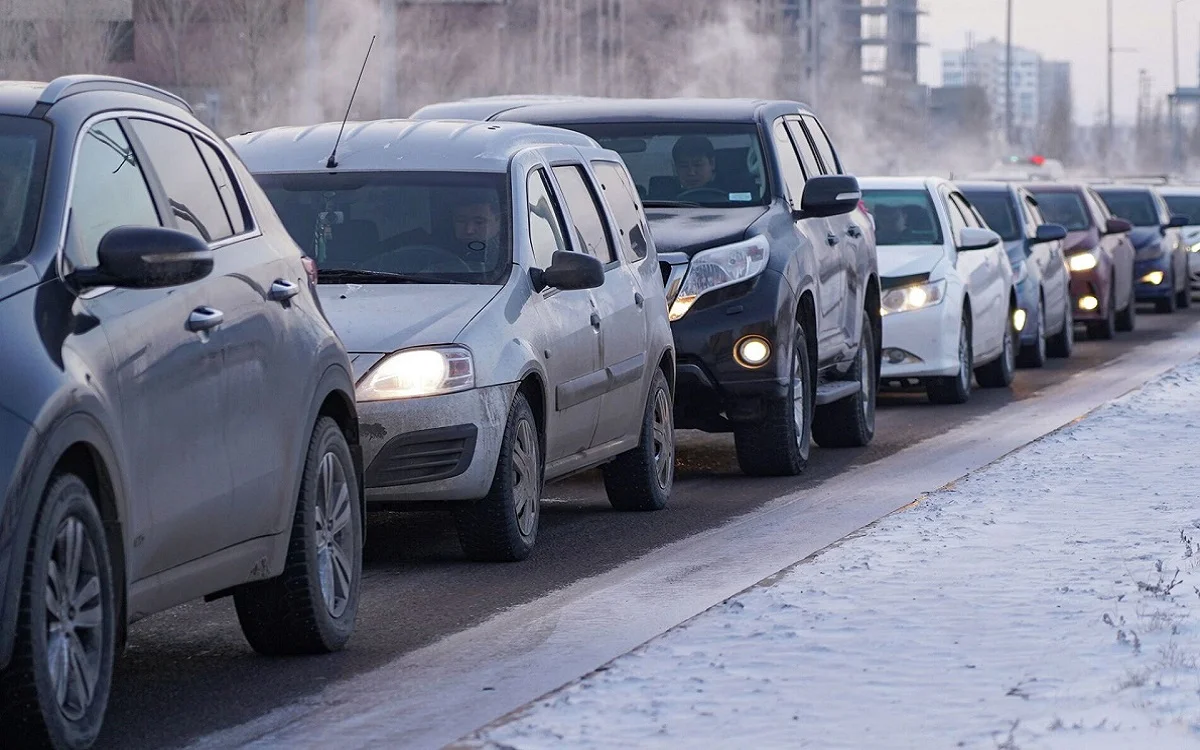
188 672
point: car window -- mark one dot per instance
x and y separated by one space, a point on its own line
547 232
969 215
1033 217
1098 205
998 213
808 157
581 203
958 222
622 199
824 147
1136 206
24 151
109 191
789 164
1185 205
1065 208
903 217
193 196
231 195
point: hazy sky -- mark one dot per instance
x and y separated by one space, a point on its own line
1076 30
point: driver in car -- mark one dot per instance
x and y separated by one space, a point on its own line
695 163
477 226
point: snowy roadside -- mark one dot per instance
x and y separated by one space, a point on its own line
1049 600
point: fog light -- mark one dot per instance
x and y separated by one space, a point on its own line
894 356
752 351
1019 320
1088 303
1154 277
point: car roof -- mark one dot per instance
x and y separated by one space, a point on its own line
1180 190
392 145
676 109
1054 187
483 107
985 186
899 183
1123 188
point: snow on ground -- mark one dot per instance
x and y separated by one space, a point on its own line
1049 600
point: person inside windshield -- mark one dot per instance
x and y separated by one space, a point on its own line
695 163
477 226
890 225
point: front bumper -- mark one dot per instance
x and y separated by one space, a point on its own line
1089 284
1194 271
1144 291
433 448
1029 299
927 338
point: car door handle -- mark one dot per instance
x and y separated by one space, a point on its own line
204 318
832 238
638 299
854 231
282 290
596 320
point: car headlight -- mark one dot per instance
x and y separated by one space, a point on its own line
1194 247
418 372
718 268
913 297
1082 262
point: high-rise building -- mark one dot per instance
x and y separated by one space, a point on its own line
984 65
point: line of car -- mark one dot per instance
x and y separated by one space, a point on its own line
221 354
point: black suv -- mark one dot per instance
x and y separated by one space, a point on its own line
177 417
768 259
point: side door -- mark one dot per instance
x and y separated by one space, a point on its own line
567 331
265 361
169 355
972 266
999 269
1118 247
1173 239
1049 256
624 334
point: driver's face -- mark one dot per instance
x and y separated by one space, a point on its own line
476 223
694 171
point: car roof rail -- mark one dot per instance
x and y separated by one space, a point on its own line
69 85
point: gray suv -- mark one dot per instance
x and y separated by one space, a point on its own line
499 291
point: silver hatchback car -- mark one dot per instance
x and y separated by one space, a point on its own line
500 295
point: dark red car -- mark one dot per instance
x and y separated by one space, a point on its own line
1098 253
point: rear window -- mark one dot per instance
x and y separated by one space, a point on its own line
1135 206
24 150
998 211
1186 205
904 217
1065 208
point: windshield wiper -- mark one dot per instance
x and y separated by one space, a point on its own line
370 276
671 204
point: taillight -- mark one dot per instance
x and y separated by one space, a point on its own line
310 268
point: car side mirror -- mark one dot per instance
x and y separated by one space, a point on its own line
1049 233
975 238
1177 221
569 271
147 258
828 195
1117 226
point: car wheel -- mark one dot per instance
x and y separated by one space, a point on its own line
1034 355
311 607
1105 329
1127 318
1183 298
55 691
1168 304
503 526
780 443
850 422
1062 343
955 389
999 372
641 479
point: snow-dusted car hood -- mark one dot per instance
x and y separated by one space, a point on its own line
382 318
906 260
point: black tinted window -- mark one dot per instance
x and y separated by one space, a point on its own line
1134 206
581 204
904 217
997 211
435 226
1064 208
1185 205
789 164
824 147
24 146
230 195
622 198
194 199
547 233
808 157
110 191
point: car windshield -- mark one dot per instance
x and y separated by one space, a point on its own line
997 209
1065 208
381 227
1185 205
903 217
1135 206
24 149
717 165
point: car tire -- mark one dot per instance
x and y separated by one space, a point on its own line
1034 355
1127 318
779 444
999 372
503 526
641 479
311 607
1168 304
850 422
68 537
1104 330
1062 344
955 389
1183 298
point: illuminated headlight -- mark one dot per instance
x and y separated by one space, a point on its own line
718 268
1019 318
1194 248
418 372
1082 262
914 297
1154 277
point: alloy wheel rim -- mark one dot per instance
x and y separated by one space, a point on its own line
525 477
798 396
664 445
335 534
74 619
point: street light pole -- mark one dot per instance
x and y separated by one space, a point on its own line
1108 140
1008 107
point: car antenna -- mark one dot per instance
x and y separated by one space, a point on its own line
332 162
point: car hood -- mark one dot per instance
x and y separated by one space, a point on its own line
896 261
1145 237
690 230
381 318
1079 240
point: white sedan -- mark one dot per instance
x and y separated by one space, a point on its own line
948 297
